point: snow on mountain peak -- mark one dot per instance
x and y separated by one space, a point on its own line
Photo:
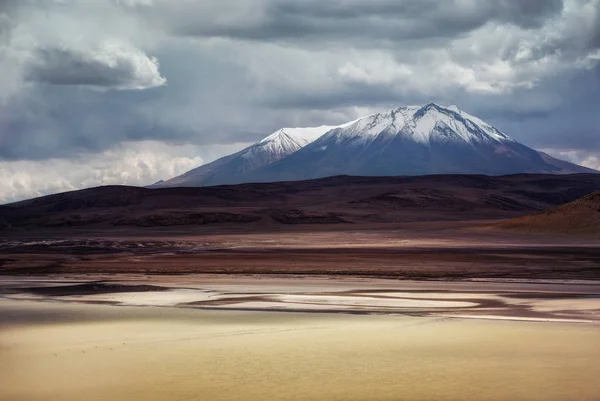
283 142
421 124
303 136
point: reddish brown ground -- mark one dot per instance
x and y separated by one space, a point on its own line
424 251
433 227
334 200
578 217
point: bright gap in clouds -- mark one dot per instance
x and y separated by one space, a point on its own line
134 163
581 157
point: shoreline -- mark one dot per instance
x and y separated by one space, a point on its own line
474 299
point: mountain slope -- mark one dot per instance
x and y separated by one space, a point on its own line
233 168
581 216
414 141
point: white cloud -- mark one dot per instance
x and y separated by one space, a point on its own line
134 3
581 157
135 163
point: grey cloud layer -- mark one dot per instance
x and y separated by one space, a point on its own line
82 77
345 19
594 41
59 43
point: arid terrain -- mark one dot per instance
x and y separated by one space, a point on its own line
343 288
338 200
424 253
581 216
431 227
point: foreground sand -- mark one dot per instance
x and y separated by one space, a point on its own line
66 349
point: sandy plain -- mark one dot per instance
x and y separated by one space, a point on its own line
219 337
102 352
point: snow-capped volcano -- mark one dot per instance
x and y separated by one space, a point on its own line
410 140
414 140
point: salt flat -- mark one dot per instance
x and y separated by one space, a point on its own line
69 351
222 337
549 299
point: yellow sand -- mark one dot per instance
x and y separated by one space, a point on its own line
69 352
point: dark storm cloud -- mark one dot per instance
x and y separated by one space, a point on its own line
37 129
101 68
7 23
7 5
348 95
573 124
345 20
526 13
594 41
63 122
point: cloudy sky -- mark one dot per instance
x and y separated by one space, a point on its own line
132 91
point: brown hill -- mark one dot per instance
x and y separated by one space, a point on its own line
581 216
334 200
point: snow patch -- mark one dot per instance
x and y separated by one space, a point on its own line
418 123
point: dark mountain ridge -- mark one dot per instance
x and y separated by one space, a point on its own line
332 200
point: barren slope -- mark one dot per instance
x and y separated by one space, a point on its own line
581 216
334 200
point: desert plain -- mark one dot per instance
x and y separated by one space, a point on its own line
424 300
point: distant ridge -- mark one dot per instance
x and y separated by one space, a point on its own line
339 200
